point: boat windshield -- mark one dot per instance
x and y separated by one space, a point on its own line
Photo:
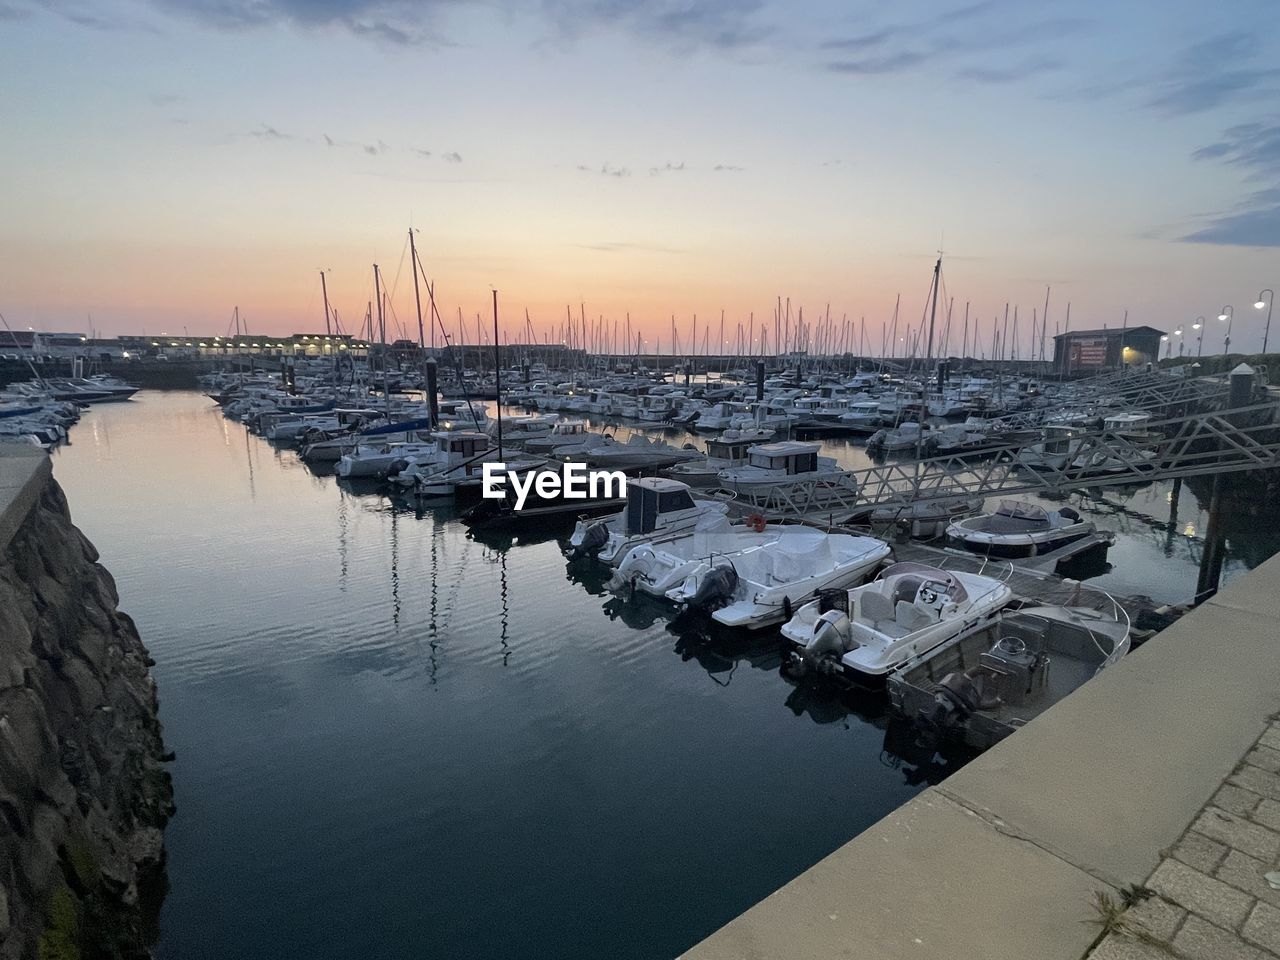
924 573
1022 511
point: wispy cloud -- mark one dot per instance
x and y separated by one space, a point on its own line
1213 73
1010 74
727 168
621 246
960 39
268 132
721 24
1255 220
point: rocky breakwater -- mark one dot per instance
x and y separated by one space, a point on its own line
84 795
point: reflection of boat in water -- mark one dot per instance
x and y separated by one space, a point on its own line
1018 529
925 518
982 686
869 631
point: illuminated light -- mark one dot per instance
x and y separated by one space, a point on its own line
154 344
342 346
1190 531
83 339
1260 304
1222 316
204 344
125 354
1195 326
1164 337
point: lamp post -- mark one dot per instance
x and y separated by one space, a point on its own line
1181 341
1199 325
1227 314
1271 299
1164 338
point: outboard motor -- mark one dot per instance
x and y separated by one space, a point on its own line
831 641
1069 514
717 588
593 540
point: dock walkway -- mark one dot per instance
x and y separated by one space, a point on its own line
1006 859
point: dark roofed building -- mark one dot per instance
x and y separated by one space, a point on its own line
1092 351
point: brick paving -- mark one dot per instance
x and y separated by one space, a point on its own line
1210 896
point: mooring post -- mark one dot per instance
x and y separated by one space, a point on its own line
433 403
759 379
1174 495
1215 548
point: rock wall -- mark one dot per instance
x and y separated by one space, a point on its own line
84 794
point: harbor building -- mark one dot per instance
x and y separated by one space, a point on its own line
1093 351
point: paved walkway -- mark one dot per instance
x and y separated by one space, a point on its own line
1210 897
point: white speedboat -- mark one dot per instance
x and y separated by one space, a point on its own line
566 433
1018 529
659 567
770 465
981 686
375 459
910 609
656 507
725 451
638 452
758 587
906 436
862 415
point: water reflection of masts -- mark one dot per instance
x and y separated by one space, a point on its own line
248 456
395 571
505 616
433 624
343 521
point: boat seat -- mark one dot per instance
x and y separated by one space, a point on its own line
911 618
874 607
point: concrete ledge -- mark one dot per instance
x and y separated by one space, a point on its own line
23 473
1001 860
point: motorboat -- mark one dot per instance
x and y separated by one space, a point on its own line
862 415
717 417
518 431
659 567
981 686
923 519
656 507
375 458
638 452
725 451
910 609
1060 444
1019 529
758 588
566 433
907 436
770 465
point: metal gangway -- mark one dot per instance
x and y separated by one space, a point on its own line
1226 440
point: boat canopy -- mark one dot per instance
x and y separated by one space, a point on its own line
923 573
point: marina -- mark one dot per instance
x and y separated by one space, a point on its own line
431 616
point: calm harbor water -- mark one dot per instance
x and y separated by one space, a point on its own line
394 740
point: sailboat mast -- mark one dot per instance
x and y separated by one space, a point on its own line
324 289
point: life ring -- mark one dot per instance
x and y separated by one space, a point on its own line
756 522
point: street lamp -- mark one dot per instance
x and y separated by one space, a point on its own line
1271 299
1227 314
1164 338
1199 325
1181 340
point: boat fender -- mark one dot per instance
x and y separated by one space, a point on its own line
756 522
786 606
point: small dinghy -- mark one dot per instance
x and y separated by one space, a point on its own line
912 608
656 507
982 686
758 588
1018 529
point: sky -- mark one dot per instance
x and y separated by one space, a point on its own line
166 161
